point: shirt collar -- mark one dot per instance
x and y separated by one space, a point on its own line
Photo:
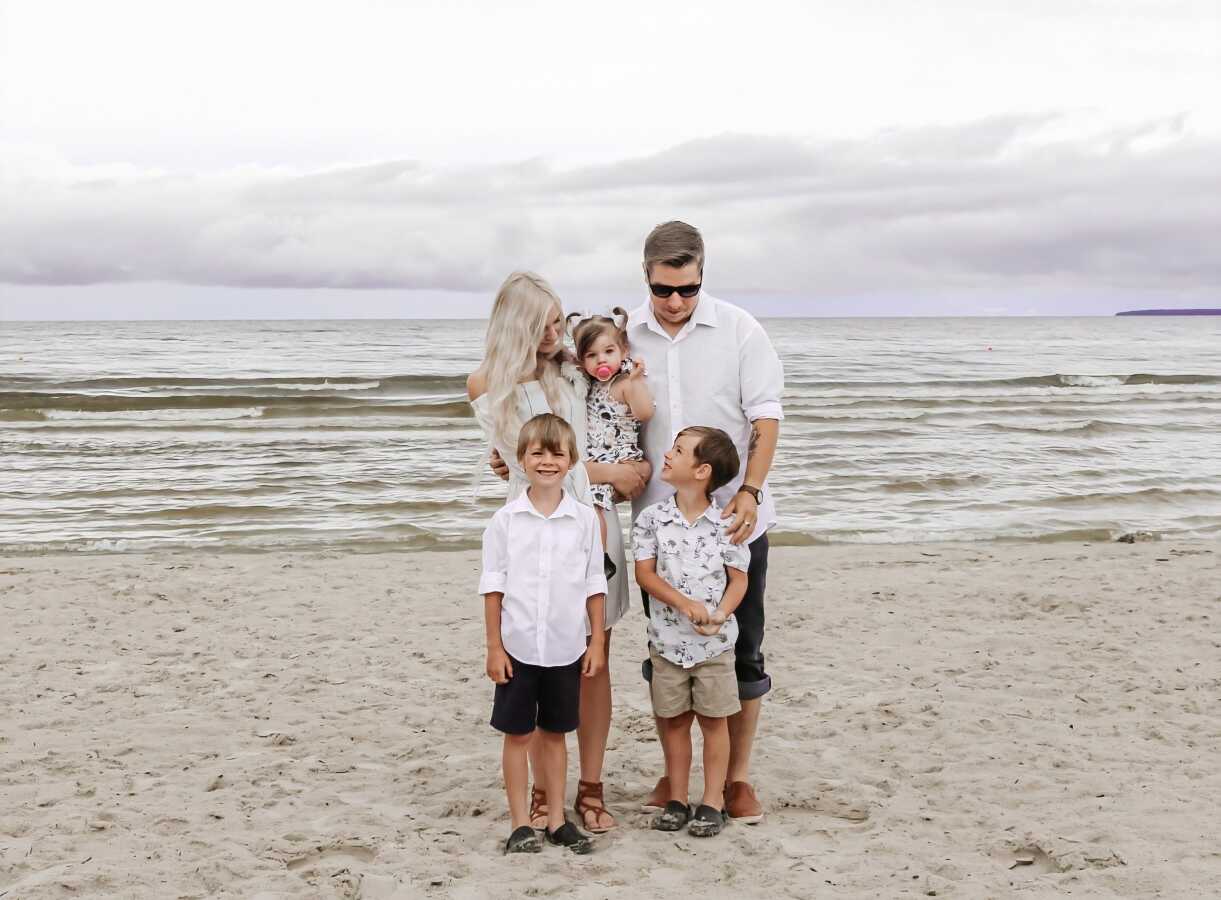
567 507
712 513
705 314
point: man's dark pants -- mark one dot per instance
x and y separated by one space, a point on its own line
753 680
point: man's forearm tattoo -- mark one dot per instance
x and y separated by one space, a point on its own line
754 438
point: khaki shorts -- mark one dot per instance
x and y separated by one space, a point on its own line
710 688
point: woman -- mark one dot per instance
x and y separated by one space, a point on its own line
525 372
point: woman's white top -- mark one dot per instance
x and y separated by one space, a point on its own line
530 402
546 567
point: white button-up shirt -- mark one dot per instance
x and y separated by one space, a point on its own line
547 567
691 558
720 370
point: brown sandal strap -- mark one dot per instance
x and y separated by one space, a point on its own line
538 799
589 790
589 800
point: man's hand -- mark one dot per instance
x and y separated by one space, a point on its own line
498 465
499 666
595 659
745 512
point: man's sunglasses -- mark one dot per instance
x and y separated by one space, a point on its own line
686 291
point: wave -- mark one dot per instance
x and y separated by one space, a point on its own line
936 482
271 404
1144 495
1054 380
1092 427
454 409
438 382
21 415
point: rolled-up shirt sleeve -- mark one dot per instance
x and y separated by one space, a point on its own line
495 557
762 376
595 573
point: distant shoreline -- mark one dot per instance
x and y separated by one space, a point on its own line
1170 312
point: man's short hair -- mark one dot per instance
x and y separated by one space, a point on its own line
715 448
553 433
674 243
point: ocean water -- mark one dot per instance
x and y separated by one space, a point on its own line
357 434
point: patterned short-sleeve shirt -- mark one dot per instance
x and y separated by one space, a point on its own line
691 558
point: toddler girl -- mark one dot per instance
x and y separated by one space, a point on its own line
618 400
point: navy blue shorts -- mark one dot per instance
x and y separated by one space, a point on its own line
546 697
753 680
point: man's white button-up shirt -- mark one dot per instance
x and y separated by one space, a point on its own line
546 567
720 370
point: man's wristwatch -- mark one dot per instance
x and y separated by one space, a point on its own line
753 491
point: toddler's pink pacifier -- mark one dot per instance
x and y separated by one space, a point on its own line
604 372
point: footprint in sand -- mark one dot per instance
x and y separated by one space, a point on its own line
341 854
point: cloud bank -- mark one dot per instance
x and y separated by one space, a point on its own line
1008 205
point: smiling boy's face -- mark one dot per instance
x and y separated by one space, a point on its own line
681 468
545 468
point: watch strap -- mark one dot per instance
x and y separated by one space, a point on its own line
755 492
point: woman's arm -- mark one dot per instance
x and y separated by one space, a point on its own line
623 477
476 385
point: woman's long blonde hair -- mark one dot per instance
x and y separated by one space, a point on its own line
524 305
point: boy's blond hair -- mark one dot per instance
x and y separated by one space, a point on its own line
552 433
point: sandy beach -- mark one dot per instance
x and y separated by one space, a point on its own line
971 720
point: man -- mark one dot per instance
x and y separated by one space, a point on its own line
710 363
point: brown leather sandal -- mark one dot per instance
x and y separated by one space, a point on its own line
589 800
538 807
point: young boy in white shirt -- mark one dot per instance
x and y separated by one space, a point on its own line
542 575
695 578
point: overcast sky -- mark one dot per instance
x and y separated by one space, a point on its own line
399 159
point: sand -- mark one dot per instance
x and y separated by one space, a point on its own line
982 720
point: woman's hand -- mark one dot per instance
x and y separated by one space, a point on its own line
626 481
498 465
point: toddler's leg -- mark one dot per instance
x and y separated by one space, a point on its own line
608 566
716 759
517 776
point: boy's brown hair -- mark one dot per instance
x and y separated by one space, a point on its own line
716 449
552 433
674 243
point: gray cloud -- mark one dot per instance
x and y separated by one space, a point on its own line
997 207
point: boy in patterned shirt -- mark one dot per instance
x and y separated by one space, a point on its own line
695 579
